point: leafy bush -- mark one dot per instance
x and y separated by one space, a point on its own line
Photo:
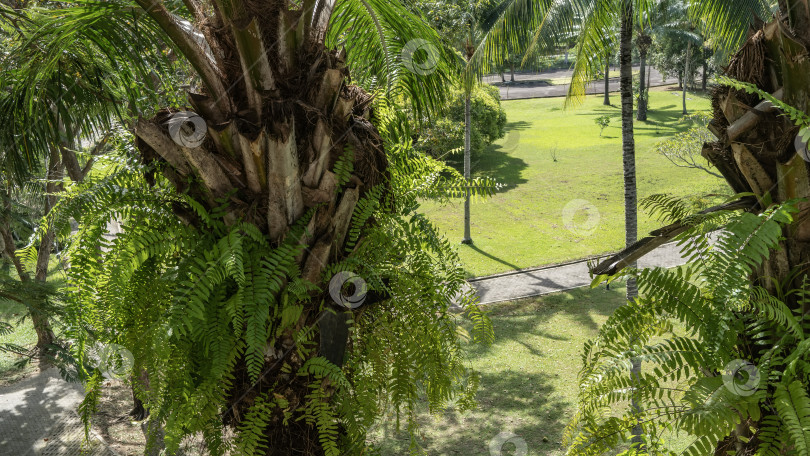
440 136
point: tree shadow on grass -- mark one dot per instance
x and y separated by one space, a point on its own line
513 399
508 402
490 256
579 305
496 161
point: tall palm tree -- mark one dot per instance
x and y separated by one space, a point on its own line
650 23
492 41
643 43
759 150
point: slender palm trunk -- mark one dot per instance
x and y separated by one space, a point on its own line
629 163
642 94
686 74
467 127
705 76
607 81
511 63
628 142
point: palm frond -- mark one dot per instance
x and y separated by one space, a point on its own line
72 71
392 50
728 21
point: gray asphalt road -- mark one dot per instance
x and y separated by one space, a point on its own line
532 85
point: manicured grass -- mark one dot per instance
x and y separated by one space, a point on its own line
23 335
522 226
528 378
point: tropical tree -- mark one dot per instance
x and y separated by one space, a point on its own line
740 370
649 24
252 205
47 143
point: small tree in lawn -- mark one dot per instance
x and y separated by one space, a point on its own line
603 122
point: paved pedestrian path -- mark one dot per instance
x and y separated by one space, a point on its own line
551 279
38 418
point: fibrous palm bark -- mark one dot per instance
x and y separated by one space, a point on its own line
277 112
756 148
757 151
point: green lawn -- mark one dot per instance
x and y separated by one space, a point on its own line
528 378
522 226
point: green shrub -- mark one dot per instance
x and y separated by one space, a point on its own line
438 137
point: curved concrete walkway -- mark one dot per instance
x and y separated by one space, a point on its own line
38 417
544 280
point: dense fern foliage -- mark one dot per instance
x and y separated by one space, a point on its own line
204 310
725 361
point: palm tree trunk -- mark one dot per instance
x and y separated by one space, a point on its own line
271 144
607 81
642 95
511 63
643 43
467 129
686 75
628 141
629 164
705 76
750 157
